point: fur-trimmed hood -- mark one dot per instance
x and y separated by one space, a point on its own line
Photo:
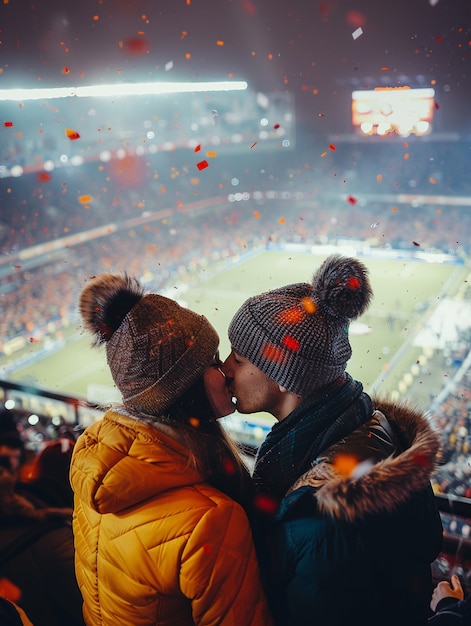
351 492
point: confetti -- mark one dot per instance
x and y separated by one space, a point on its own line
293 315
309 305
276 126
344 464
353 282
168 66
72 134
198 148
254 144
265 503
44 177
202 165
357 33
416 244
332 147
291 343
8 124
374 225
352 200
215 115
136 46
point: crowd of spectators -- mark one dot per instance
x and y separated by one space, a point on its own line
191 237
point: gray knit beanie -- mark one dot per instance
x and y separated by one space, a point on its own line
298 334
155 348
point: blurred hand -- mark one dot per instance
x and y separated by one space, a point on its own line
446 590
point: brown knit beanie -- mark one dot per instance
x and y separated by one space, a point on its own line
298 334
155 348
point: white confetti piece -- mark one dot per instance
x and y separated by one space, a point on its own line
168 66
357 33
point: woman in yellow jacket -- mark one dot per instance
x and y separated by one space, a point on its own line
161 535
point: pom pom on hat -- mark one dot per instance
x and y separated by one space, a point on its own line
298 334
155 348
105 302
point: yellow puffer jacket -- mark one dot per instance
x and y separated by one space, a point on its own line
154 543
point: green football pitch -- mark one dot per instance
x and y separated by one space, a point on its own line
405 295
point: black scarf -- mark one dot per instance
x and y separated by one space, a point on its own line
318 422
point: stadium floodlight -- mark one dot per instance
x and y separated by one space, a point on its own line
124 89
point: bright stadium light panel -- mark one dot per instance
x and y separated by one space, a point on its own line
126 89
393 110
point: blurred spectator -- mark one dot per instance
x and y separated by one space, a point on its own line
36 548
448 604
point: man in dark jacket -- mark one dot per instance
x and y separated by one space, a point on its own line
355 527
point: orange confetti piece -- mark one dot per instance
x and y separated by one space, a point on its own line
211 154
309 305
294 315
256 214
323 154
72 134
219 42
432 180
345 464
273 353
85 199
282 220
202 165
379 177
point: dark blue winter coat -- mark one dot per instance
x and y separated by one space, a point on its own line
354 546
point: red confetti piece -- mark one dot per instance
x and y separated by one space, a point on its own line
332 147
44 177
352 200
72 134
437 106
276 126
198 148
202 165
291 343
8 124
353 282
136 46
254 144
265 503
